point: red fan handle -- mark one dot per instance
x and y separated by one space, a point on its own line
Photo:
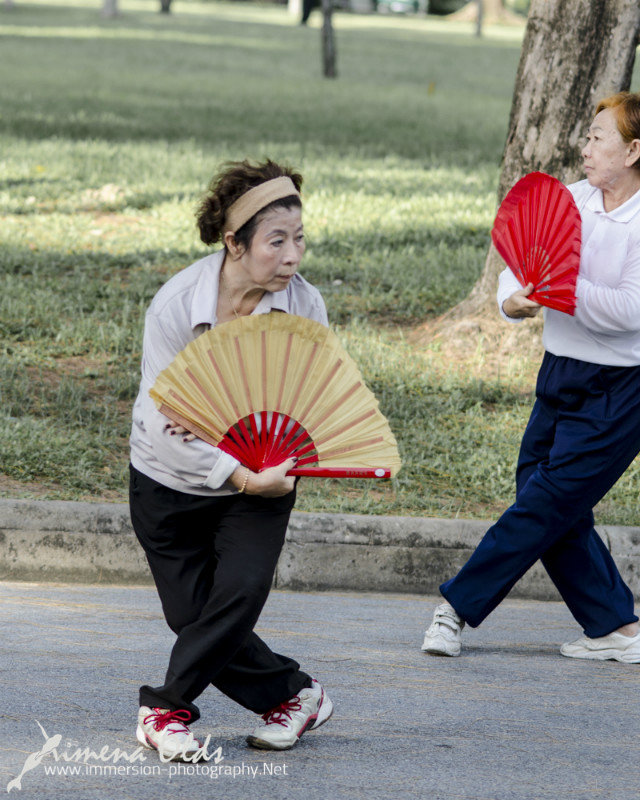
341 472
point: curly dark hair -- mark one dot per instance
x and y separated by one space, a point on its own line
231 182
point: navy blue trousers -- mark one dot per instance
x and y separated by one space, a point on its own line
583 433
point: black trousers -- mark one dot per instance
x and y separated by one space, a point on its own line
213 560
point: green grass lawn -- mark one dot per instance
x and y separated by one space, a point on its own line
109 132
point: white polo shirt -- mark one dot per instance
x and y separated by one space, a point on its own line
606 326
184 308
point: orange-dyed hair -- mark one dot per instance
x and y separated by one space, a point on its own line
626 109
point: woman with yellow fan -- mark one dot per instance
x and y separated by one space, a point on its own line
212 529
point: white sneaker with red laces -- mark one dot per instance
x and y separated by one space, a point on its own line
285 724
326 707
165 731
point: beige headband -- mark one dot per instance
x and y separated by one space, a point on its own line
256 199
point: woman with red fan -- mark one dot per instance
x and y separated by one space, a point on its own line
584 429
212 529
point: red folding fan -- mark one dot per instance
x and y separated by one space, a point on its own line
537 232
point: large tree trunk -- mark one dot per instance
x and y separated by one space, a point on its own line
575 52
328 41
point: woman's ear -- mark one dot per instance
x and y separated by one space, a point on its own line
234 249
633 154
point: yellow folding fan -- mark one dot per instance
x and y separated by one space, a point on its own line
267 387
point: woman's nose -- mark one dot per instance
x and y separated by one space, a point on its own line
292 254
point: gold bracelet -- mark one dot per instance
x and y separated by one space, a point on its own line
244 482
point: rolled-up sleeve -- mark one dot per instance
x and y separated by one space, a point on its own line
197 463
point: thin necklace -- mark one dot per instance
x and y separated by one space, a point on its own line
226 291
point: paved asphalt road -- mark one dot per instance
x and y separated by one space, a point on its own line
508 720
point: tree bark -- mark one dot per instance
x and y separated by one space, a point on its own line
328 41
575 52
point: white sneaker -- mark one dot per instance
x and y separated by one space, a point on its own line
325 710
613 647
165 731
285 724
442 637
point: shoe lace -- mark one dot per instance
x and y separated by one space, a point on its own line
161 719
280 714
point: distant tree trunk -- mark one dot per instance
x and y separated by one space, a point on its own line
575 52
328 41
110 8
480 17
493 8
483 11
165 6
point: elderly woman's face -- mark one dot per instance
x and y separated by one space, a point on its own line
605 153
276 249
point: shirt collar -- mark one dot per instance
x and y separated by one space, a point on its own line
205 298
624 213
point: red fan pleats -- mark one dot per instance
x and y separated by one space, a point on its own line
266 439
537 231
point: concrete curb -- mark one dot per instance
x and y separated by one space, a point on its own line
94 543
